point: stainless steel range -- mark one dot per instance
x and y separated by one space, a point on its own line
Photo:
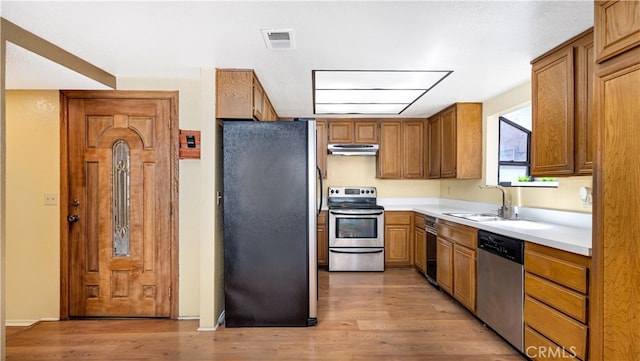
356 230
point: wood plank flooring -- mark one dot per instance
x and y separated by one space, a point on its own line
394 315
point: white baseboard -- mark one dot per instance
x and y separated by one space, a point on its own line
27 323
187 318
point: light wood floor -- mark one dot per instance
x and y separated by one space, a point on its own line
395 315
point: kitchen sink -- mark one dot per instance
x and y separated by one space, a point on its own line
477 217
492 217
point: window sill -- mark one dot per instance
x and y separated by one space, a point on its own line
536 184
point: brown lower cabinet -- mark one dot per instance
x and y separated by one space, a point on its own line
556 304
456 254
322 241
398 240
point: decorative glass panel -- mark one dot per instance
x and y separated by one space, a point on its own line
121 191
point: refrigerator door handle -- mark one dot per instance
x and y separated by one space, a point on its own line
320 177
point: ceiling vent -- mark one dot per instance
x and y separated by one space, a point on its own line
279 39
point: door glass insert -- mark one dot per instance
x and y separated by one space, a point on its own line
121 190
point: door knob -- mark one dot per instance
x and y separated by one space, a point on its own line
73 218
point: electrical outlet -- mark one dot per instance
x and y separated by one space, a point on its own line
50 199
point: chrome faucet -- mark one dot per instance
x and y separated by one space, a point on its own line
507 211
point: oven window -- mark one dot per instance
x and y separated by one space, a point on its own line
356 228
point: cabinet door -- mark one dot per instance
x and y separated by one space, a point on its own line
321 147
340 131
397 245
464 276
420 251
234 94
258 100
269 112
585 142
615 256
435 144
616 27
390 153
448 148
365 132
414 149
552 134
322 239
445 265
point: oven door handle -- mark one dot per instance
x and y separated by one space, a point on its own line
356 214
356 252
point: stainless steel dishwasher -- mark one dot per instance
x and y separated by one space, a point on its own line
500 285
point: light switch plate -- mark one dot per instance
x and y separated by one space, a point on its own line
50 199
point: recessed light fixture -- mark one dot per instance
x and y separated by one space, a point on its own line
383 92
279 39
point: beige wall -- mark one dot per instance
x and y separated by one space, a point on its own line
361 171
33 229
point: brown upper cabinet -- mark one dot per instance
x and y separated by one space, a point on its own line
321 146
353 131
455 142
403 150
562 109
618 28
239 95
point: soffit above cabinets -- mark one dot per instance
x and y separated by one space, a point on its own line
371 92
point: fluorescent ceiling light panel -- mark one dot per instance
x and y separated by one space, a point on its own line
367 96
364 91
383 79
359 108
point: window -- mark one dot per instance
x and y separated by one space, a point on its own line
514 159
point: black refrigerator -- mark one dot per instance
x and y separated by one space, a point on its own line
270 267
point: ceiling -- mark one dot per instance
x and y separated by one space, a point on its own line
488 45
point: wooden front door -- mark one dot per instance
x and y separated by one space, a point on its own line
121 201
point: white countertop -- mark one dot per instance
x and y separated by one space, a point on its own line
567 231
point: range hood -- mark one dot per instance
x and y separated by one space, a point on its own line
353 149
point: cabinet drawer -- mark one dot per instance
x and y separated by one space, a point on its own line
458 233
397 217
565 273
569 302
557 327
540 348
